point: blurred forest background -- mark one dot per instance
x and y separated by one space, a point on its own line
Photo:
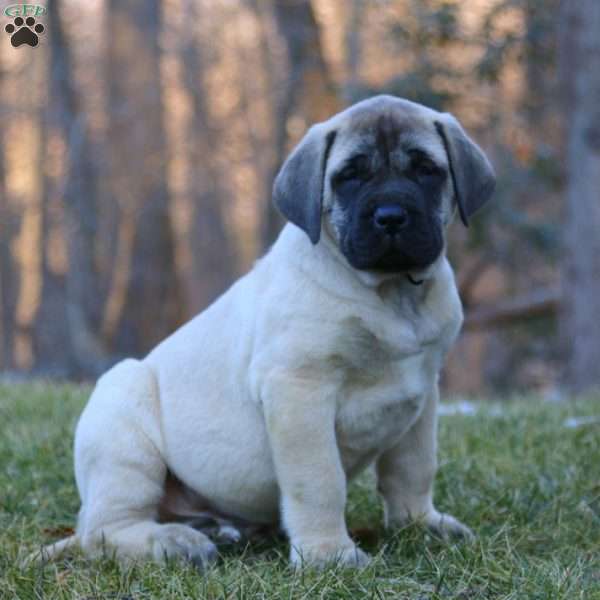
139 141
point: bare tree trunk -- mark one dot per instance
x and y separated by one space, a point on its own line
145 275
74 296
353 51
539 53
8 272
50 328
308 87
580 69
212 250
7 275
53 350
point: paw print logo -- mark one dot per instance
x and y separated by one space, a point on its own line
24 32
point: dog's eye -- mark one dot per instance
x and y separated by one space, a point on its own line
421 164
356 169
423 168
426 168
347 173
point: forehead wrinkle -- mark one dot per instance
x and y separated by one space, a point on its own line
387 132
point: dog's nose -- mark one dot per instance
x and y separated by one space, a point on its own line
391 217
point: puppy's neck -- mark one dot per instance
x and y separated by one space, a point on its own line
328 267
377 280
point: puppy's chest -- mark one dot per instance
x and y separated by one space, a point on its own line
386 376
373 417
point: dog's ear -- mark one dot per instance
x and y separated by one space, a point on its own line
299 185
473 177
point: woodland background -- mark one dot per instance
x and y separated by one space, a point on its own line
139 141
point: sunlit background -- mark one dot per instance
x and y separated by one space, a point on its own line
140 138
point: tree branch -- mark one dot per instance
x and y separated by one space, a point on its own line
538 303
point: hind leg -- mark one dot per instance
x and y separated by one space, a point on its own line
149 540
120 472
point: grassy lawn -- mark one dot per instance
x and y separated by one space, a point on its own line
527 485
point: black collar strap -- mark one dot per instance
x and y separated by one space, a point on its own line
414 281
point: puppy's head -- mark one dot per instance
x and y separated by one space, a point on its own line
384 178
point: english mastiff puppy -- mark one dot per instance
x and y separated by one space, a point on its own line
321 361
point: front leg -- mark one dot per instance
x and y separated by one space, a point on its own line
300 418
405 476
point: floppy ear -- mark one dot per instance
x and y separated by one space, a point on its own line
298 188
473 177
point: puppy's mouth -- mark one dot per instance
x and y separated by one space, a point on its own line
395 254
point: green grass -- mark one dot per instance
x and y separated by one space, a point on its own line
528 486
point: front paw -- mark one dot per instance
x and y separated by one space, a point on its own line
327 554
447 527
442 525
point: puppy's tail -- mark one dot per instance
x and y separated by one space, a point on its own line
50 552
